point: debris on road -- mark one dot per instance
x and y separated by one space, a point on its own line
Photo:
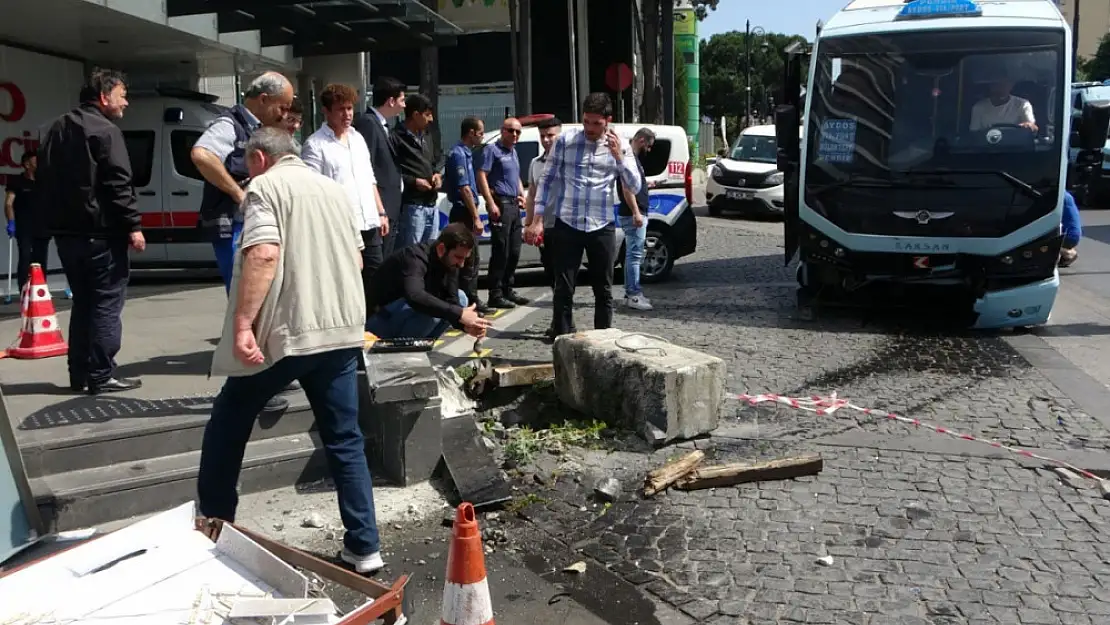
313 520
1071 478
578 568
607 489
473 469
825 560
739 473
524 375
1104 488
663 477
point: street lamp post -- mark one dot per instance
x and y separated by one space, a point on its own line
749 32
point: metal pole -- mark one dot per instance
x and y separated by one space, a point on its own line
666 78
583 37
514 55
1075 42
526 52
573 61
747 73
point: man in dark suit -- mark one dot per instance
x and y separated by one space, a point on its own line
388 102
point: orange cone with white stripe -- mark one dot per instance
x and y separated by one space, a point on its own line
40 337
466 598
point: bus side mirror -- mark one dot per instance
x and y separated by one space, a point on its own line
786 137
1094 125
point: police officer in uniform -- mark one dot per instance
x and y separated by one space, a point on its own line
219 157
462 191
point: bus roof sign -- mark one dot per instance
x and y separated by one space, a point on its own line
924 9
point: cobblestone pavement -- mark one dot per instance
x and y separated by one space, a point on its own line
915 537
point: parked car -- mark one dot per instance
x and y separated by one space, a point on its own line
748 180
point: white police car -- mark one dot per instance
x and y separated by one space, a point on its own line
672 230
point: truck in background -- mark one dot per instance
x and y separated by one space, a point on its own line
894 186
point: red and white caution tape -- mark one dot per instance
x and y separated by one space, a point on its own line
829 405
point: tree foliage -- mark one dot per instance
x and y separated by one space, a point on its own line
1097 67
703 7
723 72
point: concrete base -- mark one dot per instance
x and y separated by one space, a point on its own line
663 391
400 414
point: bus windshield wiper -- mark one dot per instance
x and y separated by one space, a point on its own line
1014 181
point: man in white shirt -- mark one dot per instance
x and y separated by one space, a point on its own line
342 155
1002 108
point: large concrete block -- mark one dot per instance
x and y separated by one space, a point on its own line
664 391
400 413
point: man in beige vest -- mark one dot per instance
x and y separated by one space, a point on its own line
296 312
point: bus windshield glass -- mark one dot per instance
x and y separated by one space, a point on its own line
943 110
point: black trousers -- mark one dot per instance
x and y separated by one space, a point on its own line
567 245
468 274
390 239
31 249
506 237
372 258
546 260
97 271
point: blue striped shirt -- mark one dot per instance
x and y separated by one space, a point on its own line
579 180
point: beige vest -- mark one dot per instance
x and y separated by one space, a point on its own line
316 302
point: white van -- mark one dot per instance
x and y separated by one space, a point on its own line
160 131
747 179
672 230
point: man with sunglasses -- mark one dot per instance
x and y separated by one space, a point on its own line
500 184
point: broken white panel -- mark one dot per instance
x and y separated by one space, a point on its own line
286 611
169 574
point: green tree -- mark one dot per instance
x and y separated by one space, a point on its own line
1097 67
703 7
723 73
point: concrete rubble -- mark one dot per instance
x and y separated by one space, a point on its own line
663 391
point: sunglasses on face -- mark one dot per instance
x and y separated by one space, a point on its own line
514 131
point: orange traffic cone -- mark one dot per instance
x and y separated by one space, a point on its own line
466 598
40 336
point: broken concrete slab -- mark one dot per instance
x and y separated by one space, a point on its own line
400 413
663 391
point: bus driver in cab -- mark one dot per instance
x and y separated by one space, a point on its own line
1002 108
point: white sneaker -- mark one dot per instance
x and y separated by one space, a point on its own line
370 563
638 302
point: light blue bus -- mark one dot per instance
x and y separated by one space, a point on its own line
934 152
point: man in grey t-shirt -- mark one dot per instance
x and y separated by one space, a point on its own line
550 129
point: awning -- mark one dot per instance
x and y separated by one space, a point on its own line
328 27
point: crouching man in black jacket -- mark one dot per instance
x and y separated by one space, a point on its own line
416 292
90 208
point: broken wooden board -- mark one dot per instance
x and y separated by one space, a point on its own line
477 477
527 375
740 473
661 478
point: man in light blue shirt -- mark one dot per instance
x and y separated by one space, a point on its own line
578 184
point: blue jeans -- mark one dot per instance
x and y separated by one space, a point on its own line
398 320
419 224
330 380
633 255
225 253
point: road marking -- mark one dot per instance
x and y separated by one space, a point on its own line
453 334
463 347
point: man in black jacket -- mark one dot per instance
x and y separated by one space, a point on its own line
415 152
389 102
416 292
87 196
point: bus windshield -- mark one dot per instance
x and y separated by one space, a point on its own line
958 101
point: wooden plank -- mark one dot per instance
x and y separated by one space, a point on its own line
661 478
523 376
740 473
